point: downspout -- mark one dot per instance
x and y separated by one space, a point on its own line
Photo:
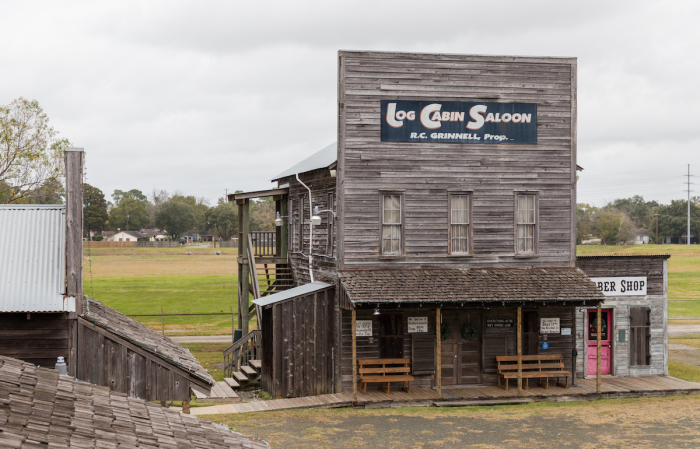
311 230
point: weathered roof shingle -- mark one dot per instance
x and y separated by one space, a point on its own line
40 408
474 285
144 337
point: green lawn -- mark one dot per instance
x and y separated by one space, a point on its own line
209 355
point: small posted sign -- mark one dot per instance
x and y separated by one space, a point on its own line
566 331
363 328
549 325
417 324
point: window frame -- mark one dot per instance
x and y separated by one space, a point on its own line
402 228
470 224
331 222
300 225
536 234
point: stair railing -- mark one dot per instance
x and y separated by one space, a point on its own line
249 347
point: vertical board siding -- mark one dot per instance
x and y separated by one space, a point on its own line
297 360
107 362
427 170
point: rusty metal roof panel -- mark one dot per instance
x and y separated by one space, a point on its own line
32 258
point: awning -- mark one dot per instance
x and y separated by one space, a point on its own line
494 285
292 293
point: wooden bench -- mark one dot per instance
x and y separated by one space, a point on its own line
533 366
385 371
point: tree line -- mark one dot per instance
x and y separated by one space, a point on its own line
618 221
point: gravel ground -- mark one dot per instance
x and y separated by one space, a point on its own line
650 422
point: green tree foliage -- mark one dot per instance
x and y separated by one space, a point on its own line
157 198
640 212
614 227
50 192
223 220
31 155
175 217
262 214
673 219
199 209
585 221
133 210
135 194
95 209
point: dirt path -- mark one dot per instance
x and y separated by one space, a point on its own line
665 422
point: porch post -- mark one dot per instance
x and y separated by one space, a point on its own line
597 362
354 357
520 352
438 358
243 301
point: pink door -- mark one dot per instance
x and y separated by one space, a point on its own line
591 340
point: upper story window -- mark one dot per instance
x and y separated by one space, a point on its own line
526 224
460 223
329 238
392 224
300 225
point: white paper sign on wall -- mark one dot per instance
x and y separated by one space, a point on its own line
363 328
566 331
549 325
417 324
622 285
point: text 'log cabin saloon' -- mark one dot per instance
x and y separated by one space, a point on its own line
434 243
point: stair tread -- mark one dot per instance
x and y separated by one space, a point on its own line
248 370
240 377
257 364
231 382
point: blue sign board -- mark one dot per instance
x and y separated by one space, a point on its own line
545 345
458 122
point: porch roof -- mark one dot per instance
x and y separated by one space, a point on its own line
473 285
292 293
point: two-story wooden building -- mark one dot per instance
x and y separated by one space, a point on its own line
440 228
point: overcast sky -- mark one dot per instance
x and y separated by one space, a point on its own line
207 96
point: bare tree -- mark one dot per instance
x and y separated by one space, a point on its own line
156 198
31 155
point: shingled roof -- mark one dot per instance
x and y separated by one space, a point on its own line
144 337
474 285
39 408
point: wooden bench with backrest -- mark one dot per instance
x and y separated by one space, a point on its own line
540 367
385 371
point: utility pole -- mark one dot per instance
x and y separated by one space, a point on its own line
657 228
687 235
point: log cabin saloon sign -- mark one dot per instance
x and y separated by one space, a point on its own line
458 122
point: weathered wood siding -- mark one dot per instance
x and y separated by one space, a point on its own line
298 342
38 338
426 171
322 185
106 360
656 271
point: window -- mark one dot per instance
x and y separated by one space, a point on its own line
300 225
526 227
640 336
329 238
460 221
392 222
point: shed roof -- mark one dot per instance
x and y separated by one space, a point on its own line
321 159
144 337
628 256
474 285
292 293
40 408
32 248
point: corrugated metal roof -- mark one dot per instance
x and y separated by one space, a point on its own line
292 293
630 256
32 258
321 159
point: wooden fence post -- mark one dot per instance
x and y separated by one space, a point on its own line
520 352
438 356
597 362
354 356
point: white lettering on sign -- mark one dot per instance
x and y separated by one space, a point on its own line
549 325
363 328
566 331
622 286
417 324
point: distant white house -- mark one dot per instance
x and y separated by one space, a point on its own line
126 236
641 237
154 235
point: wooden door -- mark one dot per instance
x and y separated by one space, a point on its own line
531 330
469 370
448 351
605 343
391 336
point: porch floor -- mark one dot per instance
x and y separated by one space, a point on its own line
585 389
